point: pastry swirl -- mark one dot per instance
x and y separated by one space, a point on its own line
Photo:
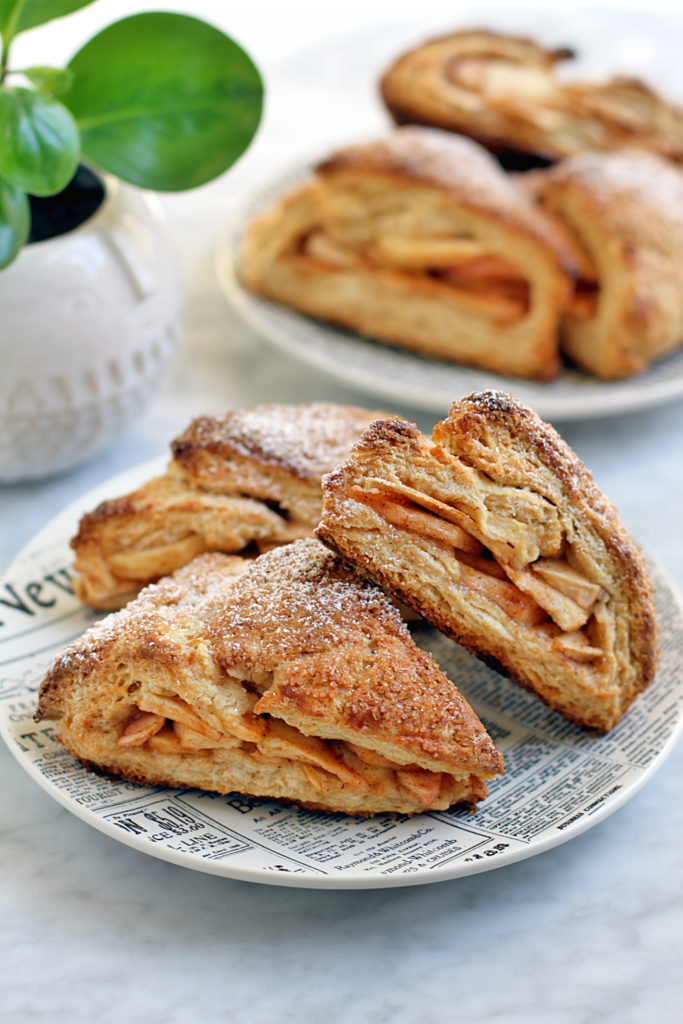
503 91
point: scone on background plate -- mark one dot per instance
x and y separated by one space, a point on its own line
252 475
286 677
626 210
420 240
504 92
495 532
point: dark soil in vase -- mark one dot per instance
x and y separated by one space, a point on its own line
56 215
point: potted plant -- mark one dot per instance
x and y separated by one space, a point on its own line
89 293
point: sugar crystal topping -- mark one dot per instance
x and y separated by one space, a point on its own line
297 600
308 440
184 601
650 183
294 600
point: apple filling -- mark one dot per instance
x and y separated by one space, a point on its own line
518 89
165 724
483 284
584 302
548 594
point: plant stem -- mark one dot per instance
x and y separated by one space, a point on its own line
8 36
3 61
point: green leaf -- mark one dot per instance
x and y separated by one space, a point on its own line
164 101
52 81
15 221
18 15
39 143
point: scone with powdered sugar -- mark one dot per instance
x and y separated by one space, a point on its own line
250 477
495 532
286 677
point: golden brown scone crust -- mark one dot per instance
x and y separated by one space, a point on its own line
218 494
292 679
503 92
516 488
626 209
276 453
128 542
379 243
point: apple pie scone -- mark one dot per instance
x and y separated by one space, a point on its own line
626 210
286 677
422 241
251 476
495 532
504 92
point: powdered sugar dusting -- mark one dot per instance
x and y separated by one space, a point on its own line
466 173
184 601
299 600
306 440
294 600
630 184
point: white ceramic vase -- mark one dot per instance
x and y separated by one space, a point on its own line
88 321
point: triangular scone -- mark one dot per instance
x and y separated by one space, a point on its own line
421 240
252 475
496 533
286 677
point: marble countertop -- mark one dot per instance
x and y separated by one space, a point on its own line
587 933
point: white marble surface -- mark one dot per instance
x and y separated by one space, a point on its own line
587 933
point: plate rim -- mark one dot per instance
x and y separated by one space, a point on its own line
258 876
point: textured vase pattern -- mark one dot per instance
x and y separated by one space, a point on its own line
89 322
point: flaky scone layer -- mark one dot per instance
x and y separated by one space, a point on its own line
286 677
495 532
626 208
420 240
127 542
250 476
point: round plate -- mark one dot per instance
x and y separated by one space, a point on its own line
558 782
379 369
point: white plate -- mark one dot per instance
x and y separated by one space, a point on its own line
405 377
559 780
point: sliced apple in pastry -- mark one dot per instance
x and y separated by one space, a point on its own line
286 677
495 532
422 241
249 477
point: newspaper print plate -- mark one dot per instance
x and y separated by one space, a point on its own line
559 780
399 376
